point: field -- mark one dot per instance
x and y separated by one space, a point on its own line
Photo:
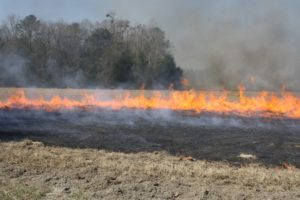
145 154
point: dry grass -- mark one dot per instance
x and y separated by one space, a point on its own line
32 170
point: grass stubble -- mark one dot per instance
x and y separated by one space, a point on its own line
32 170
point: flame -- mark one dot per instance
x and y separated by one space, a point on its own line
266 104
185 83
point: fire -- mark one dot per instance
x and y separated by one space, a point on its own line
185 83
266 104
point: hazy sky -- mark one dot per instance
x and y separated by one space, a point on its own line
140 10
169 14
237 34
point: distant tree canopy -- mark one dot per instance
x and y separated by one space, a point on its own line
111 53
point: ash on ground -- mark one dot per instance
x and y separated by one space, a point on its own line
215 137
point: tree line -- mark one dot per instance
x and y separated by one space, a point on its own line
111 53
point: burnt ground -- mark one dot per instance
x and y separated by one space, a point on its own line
135 154
211 137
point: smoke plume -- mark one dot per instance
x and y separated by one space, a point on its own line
217 43
254 44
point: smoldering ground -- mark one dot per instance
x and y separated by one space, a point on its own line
205 136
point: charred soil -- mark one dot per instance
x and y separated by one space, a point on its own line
131 154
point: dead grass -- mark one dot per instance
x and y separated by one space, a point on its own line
31 170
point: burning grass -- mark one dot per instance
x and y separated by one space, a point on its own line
263 104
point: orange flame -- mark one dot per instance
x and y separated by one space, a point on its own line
185 83
267 104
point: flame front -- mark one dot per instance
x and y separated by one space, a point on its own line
267 104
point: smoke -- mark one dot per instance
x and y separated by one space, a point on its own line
78 121
76 80
218 44
228 43
254 44
13 70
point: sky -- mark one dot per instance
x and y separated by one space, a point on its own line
139 10
202 32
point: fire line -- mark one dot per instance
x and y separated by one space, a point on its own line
265 104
